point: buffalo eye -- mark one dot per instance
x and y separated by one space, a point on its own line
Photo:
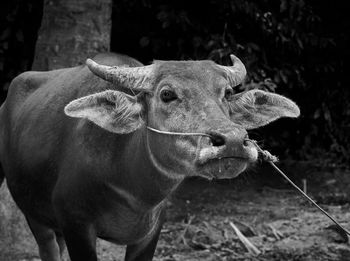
229 93
168 96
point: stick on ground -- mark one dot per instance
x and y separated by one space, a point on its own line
248 245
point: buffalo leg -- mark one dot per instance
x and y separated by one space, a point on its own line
61 243
81 242
46 240
144 250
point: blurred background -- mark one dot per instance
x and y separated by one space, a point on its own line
297 48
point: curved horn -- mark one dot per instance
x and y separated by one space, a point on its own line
135 78
236 72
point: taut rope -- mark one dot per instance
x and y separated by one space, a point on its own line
271 159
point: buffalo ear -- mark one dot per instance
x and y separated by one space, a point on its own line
255 108
112 110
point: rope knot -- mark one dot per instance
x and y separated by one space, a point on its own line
266 155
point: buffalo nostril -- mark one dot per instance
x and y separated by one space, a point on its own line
217 139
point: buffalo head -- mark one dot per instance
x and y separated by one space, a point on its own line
185 96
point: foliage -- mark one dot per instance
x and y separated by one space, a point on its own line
294 47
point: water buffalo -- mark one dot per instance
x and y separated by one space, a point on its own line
81 163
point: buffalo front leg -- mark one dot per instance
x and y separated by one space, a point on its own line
61 243
46 240
80 240
144 249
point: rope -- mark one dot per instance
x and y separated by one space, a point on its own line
179 133
267 156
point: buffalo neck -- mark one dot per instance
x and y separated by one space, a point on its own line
138 172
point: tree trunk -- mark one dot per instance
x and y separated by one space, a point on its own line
71 31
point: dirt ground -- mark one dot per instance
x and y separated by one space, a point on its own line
275 219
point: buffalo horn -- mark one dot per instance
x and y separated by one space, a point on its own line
236 72
135 78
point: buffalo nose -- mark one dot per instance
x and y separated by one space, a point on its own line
229 139
234 143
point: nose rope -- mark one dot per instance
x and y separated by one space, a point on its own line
268 157
180 133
